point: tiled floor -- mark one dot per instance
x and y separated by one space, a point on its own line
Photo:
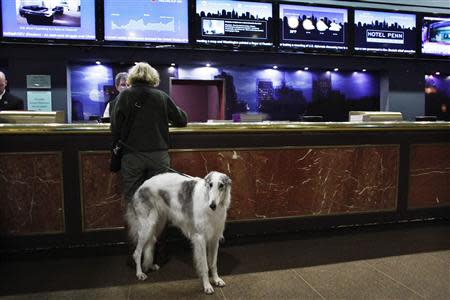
395 262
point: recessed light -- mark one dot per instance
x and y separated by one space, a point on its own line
364 70
98 62
275 67
208 65
336 69
306 68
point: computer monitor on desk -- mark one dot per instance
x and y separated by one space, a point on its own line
374 116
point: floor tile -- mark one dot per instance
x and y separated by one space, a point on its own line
174 290
424 273
442 255
354 280
268 285
109 293
17 297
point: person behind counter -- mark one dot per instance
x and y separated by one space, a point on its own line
7 100
120 83
146 140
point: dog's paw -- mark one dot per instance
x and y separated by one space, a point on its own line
208 289
141 276
152 267
219 282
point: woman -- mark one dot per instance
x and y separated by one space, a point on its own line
141 121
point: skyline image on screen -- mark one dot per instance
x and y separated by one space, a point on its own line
310 27
158 21
435 36
235 23
379 31
49 19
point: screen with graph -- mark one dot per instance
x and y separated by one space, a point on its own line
156 21
233 23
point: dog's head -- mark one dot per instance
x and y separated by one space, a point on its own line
219 188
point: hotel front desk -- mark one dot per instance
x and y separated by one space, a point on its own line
56 189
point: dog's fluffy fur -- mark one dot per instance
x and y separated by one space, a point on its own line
197 206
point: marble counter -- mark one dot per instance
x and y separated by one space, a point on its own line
55 181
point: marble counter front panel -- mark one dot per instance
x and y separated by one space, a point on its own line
102 205
271 183
267 183
429 180
31 193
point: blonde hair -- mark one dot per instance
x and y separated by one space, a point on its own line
143 72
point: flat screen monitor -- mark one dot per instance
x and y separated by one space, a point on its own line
227 23
148 21
385 32
436 35
49 19
313 27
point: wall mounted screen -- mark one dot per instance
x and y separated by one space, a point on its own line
385 32
49 19
234 23
436 35
310 27
150 21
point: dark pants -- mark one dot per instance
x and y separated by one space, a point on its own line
138 167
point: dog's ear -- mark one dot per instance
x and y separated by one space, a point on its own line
208 177
226 180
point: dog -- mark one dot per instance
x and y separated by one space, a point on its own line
197 206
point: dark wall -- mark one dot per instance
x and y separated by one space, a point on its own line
404 76
19 67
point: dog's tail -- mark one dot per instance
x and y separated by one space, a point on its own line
132 222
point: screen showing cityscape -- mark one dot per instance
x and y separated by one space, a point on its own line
436 35
310 27
381 31
49 19
158 21
234 23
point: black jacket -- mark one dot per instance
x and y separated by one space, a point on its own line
153 110
11 102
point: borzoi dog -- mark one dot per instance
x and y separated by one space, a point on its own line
197 206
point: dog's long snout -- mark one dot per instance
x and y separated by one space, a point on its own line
213 206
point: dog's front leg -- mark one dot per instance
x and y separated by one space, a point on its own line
213 247
201 262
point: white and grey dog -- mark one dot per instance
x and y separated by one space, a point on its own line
197 206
